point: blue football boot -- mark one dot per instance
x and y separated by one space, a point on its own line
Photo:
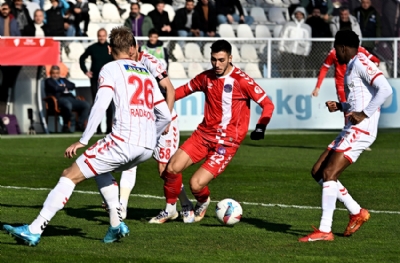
116 233
23 233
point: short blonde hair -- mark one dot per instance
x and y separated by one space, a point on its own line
121 39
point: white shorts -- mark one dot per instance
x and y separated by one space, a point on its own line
352 143
111 154
168 144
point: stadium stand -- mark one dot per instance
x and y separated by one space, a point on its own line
178 53
171 12
258 14
248 53
276 15
193 52
176 71
226 31
194 69
76 50
146 8
112 14
244 31
252 70
94 13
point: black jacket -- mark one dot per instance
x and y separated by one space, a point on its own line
55 21
180 20
99 56
30 30
211 24
225 7
15 11
159 20
319 28
53 88
369 20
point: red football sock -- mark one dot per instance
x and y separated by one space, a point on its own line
172 186
202 195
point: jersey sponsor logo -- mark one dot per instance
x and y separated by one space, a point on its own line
228 88
258 90
138 70
142 113
371 71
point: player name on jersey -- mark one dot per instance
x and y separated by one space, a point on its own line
142 113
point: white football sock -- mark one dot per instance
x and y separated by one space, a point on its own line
55 201
183 199
348 201
329 197
126 184
171 208
343 196
109 189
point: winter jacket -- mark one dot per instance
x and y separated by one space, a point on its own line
296 30
211 24
369 21
335 25
146 25
30 30
180 20
14 30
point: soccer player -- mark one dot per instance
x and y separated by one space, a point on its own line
340 69
366 90
168 142
131 142
228 91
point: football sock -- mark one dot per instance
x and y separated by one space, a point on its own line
109 189
344 197
202 195
55 201
183 199
329 196
172 186
171 208
126 184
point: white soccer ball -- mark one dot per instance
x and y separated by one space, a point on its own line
228 211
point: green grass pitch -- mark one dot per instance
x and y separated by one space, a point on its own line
271 179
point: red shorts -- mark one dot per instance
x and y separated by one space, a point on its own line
217 156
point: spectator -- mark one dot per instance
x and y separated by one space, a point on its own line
294 52
99 55
120 10
55 19
370 23
21 13
38 28
61 89
325 6
81 13
8 23
345 21
226 12
187 21
139 23
155 47
208 17
8 27
161 20
350 4
319 29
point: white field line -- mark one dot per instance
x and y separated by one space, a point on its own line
161 197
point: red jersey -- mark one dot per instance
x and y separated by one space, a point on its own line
340 70
227 104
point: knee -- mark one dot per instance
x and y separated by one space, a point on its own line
172 168
195 185
329 174
315 174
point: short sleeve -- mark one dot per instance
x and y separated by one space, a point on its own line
154 65
106 79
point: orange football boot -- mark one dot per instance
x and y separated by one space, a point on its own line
317 235
356 222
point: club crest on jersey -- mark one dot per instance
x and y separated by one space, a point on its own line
221 150
168 143
258 90
371 71
228 88
138 70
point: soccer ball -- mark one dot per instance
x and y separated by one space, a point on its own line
228 211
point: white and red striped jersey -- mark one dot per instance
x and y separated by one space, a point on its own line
366 90
227 104
134 91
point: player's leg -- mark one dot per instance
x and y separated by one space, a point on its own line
172 177
54 202
336 164
126 184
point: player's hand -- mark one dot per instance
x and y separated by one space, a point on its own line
333 106
71 150
356 117
258 133
315 92
166 130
